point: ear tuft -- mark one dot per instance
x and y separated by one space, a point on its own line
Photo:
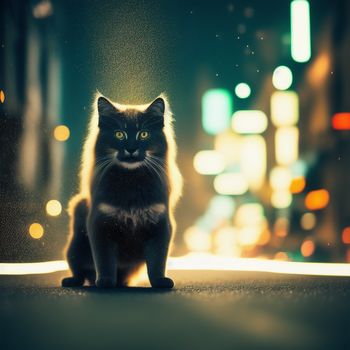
105 108
157 107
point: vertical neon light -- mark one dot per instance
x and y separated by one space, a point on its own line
216 111
300 30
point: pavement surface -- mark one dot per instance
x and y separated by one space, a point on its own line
206 310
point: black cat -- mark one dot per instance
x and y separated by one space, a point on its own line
130 183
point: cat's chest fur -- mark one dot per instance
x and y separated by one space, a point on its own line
130 200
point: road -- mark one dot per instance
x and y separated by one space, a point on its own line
206 310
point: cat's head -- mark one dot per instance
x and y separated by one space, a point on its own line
131 137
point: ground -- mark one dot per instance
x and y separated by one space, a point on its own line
206 310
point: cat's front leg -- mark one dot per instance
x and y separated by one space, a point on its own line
156 253
103 252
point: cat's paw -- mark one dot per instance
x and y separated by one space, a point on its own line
72 282
105 282
163 282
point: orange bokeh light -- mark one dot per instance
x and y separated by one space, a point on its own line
297 185
61 133
341 121
346 235
317 199
307 248
2 96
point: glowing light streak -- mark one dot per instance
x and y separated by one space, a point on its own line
282 78
341 121
242 90
286 145
300 30
284 108
200 261
217 107
209 162
249 122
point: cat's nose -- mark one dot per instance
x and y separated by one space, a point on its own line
132 152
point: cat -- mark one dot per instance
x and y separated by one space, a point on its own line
129 186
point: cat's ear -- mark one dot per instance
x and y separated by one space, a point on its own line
155 112
106 110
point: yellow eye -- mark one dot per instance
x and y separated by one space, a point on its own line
119 135
143 135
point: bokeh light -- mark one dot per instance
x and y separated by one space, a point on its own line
249 122
281 199
2 96
230 184
284 108
341 121
53 207
282 78
61 133
242 90
209 162
307 248
300 30
36 230
346 235
286 145
316 200
308 221
217 108
297 185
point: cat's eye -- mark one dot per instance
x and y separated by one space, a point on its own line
120 135
143 135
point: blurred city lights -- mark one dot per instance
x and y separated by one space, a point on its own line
280 178
229 145
316 200
253 160
284 108
197 239
36 230
281 227
346 235
225 242
249 122
281 256
341 121
287 145
249 214
297 185
53 207
319 69
281 199
282 78
242 90
209 162
217 108
307 248
308 221
249 235
230 184
221 207
61 133
2 96
300 30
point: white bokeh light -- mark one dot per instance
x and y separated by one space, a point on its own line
282 78
242 90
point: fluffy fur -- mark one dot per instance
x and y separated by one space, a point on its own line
123 215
